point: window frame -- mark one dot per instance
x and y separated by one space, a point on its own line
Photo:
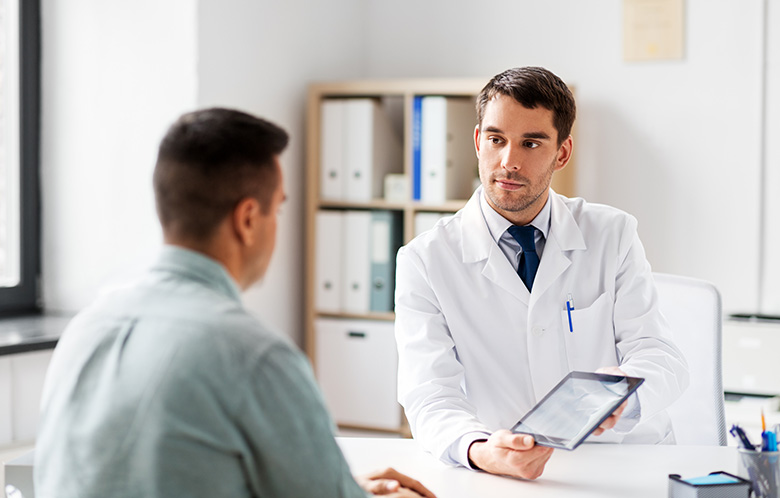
24 297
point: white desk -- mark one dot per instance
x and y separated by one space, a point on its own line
592 470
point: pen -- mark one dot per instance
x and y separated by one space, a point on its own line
768 441
742 438
569 309
768 438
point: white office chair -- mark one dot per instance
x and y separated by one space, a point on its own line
693 309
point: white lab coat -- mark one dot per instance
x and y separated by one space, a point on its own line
477 350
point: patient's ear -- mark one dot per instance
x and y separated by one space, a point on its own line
246 217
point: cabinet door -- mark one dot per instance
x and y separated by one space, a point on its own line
6 427
28 373
357 364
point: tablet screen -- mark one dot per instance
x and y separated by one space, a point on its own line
575 408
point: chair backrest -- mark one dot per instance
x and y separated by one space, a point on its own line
693 309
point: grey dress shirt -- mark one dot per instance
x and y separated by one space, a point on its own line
168 387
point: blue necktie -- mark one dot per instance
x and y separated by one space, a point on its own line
529 260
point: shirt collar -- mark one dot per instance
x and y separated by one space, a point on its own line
197 266
497 224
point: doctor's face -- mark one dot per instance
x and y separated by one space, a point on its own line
518 152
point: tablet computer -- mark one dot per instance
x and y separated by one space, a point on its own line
575 408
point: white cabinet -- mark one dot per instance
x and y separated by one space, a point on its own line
6 427
356 364
750 355
21 385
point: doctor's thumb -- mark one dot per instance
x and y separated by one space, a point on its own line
515 441
528 442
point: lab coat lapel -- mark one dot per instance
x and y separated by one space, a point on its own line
553 263
478 245
565 235
499 270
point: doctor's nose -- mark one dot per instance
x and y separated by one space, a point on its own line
511 159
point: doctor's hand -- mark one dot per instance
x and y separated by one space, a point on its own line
612 419
392 484
510 454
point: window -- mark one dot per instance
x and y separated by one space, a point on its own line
19 143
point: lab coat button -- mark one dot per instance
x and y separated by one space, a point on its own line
537 330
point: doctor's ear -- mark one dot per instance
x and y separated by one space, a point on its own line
476 140
564 153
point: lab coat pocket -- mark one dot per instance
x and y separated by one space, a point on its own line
589 337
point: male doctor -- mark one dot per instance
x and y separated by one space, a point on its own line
482 322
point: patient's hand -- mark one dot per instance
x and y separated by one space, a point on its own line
393 484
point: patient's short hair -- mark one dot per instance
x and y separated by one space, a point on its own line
532 87
208 161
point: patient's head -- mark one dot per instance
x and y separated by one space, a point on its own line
208 161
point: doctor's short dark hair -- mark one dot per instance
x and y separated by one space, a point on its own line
208 161
532 87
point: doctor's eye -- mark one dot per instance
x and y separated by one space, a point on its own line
530 145
495 140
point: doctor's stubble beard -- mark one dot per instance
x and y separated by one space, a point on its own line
510 202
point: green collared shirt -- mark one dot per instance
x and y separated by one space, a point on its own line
169 388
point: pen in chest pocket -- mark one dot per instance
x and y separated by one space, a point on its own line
569 309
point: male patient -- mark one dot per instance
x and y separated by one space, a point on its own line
497 303
168 387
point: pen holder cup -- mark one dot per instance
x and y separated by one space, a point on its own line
763 470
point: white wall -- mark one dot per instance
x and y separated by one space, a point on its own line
260 57
114 76
677 144
674 143
771 276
